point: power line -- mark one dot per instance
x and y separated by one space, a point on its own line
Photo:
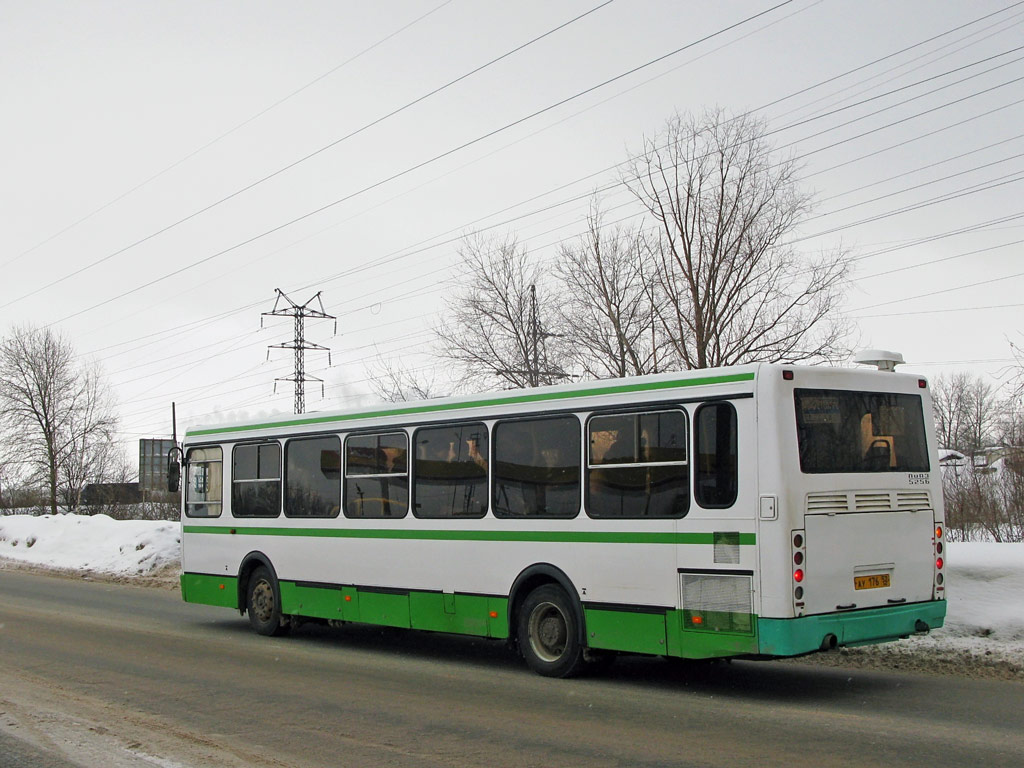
585 177
942 291
303 159
224 135
391 178
943 311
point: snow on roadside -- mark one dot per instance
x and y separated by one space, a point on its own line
985 581
91 543
986 591
983 634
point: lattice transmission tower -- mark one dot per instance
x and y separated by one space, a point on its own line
299 343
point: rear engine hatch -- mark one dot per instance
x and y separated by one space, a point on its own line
867 560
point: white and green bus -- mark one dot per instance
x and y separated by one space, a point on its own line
756 511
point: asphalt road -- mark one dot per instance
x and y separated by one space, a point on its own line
90 672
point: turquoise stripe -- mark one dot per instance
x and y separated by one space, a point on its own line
792 637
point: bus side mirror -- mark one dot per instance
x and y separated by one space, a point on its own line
173 476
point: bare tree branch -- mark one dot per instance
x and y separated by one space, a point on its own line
731 291
497 326
393 382
607 304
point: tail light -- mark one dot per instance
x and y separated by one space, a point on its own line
798 563
938 549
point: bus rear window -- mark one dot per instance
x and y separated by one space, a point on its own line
843 431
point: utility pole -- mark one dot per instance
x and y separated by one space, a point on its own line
537 370
299 343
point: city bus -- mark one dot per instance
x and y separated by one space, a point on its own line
758 511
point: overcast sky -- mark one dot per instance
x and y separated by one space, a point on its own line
124 122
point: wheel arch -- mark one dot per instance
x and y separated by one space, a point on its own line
537 575
250 563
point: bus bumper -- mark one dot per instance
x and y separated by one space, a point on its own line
793 637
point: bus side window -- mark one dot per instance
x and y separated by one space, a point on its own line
377 475
537 468
312 477
637 465
716 477
204 482
450 473
256 480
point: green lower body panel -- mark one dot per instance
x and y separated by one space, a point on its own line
671 633
793 637
613 630
209 590
482 615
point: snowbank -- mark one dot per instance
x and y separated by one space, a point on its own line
95 543
986 591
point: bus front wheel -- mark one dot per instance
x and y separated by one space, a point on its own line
548 633
263 603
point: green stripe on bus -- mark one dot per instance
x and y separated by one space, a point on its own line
580 537
538 397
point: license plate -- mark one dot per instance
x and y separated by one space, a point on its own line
874 581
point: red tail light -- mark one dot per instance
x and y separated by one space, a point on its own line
938 563
798 575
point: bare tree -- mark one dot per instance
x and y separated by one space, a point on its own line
497 326
608 302
950 408
734 291
393 382
55 411
1017 370
967 412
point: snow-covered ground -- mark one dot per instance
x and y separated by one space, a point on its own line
985 581
96 543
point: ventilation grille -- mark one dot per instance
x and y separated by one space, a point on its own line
913 500
717 603
835 502
827 503
727 547
878 501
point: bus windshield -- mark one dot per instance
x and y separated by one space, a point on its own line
843 431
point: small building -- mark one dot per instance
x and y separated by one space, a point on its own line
98 494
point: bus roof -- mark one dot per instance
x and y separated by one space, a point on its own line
741 375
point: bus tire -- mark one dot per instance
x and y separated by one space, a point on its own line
548 633
263 604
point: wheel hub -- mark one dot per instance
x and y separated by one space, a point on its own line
263 601
548 632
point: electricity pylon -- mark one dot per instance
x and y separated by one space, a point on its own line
299 344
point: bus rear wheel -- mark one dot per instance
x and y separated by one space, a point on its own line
548 633
263 604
